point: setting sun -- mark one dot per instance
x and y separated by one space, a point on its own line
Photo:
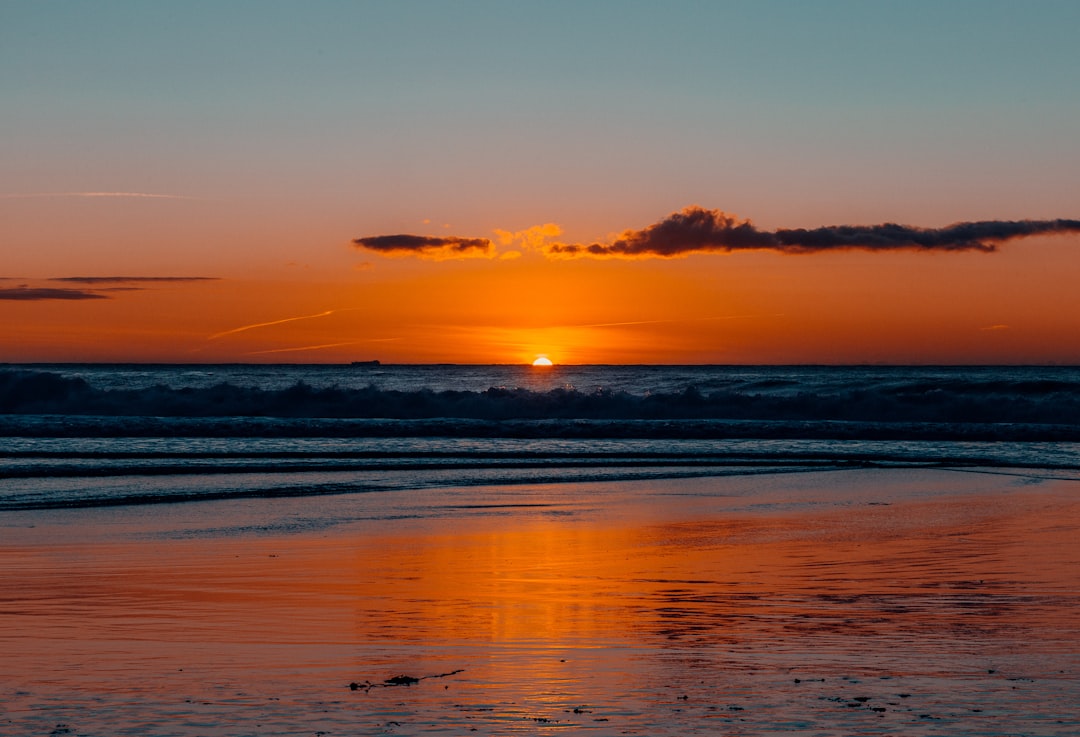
631 382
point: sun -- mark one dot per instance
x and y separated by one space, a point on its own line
542 361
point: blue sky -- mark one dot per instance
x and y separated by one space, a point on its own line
666 100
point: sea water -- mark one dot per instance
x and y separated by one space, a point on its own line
223 550
80 435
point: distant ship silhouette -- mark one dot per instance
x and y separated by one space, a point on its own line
366 363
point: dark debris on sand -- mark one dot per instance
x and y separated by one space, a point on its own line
400 680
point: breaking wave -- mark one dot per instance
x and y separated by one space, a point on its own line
92 436
1043 406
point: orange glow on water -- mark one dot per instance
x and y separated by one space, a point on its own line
613 598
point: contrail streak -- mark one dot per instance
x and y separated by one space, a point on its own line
243 328
304 348
143 195
657 322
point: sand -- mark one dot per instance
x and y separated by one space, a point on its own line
857 602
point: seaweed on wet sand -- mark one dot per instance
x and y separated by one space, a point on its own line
399 680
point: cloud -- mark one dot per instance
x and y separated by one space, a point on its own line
97 287
535 237
427 246
35 294
135 195
133 279
698 230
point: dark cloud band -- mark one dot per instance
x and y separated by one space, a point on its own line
35 294
132 279
697 230
91 287
425 245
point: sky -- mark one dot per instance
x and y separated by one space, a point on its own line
487 182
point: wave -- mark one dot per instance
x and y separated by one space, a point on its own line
955 401
982 406
133 491
96 426
89 480
101 437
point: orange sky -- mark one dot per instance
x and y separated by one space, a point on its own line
251 149
1014 306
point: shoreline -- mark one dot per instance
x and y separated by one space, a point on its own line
613 599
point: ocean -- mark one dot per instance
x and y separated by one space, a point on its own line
210 551
88 435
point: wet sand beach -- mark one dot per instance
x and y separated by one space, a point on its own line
876 602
